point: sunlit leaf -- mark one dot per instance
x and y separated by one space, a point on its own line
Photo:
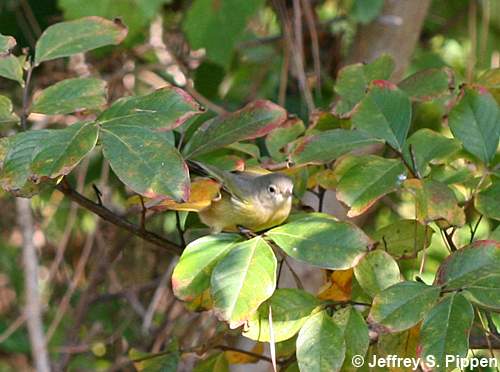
364 183
164 109
290 309
435 201
445 330
475 121
320 345
145 161
67 38
428 145
319 240
214 363
242 280
63 149
403 238
376 272
191 276
338 286
491 80
385 113
402 305
71 95
254 120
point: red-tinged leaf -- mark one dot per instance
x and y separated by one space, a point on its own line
466 266
165 109
254 120
145 161
280 138
428 84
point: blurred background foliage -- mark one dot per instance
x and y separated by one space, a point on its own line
234 52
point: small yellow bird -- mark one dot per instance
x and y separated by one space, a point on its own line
246 199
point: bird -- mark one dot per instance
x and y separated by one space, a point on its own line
244 199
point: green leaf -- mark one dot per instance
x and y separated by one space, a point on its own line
165 109
290 310
217 26
485 292
243 280
402 305
145 161
355 330
329 145
7 115
435 201
376 272
161 363
427 84
320 345
11 67
191 276
6 43
487 202
319 240
254 120
21 150
67 38
282 137
368 180
62 150
353 80
136 14
475 121
385 113
428 145
445 330
466 266
404 238
365 11
71 95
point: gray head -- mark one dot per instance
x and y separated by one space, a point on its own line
275 189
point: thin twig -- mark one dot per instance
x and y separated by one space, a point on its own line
414 162
474 230
26 97
116 220
311 25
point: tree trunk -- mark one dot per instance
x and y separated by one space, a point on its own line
395 32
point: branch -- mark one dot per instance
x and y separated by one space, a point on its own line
116 220
33 307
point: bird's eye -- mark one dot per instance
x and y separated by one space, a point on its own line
272 189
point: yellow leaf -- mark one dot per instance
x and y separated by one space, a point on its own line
338 286
235 357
